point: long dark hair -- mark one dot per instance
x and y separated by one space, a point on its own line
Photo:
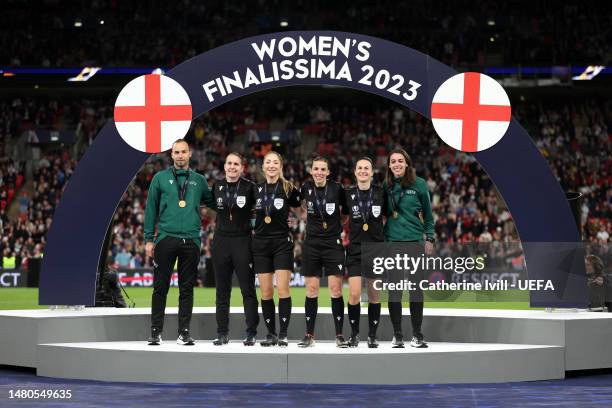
410 174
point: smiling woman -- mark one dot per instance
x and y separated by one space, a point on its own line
232 248
410 220
273 245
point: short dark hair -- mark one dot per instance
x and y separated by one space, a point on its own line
321 159
366 158
181 141
239 155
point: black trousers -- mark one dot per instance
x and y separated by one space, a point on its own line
231 254
165 255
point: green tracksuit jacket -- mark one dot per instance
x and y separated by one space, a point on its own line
408 226
163 206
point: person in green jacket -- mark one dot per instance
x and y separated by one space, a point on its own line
409 219
173 205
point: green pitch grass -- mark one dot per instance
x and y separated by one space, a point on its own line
27 298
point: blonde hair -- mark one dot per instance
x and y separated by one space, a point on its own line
287 186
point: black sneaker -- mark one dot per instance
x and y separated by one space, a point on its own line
221 340
353 341
250 340
398 341
155 338
307 341
185 339
271 340
372 342
418 341
282 340
341 342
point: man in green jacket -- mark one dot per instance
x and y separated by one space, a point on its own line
173 205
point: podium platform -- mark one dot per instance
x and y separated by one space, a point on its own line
466 345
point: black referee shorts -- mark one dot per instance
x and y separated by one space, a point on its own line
353 263
270 254
319 253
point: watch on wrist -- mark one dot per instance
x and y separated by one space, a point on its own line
430 239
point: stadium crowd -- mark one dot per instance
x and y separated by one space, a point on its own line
50 33
575 138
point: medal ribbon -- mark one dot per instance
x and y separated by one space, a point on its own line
182 190
230 200
321 203
365 210
268 203
395 204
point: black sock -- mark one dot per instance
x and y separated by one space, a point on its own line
395 313
267 310
373 318
311 306
354 312
416 316
338 313
284 314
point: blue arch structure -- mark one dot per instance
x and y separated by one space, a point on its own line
520 173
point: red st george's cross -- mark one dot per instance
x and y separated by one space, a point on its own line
153 112
471 111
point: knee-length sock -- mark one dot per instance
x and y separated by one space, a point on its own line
267 310
416 316
373 318
395 313
311 306
354 314
284 314
338 313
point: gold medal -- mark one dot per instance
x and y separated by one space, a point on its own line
182 203
395 214
324 224
365 227
268 219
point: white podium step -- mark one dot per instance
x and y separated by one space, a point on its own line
322 364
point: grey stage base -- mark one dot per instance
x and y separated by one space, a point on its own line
584 337
322 364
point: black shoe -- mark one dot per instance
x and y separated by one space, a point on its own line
418 341
307 341
271 340
155 338
353 341
372 342
398 341
282 340
250 340
341 342
185 339
221 340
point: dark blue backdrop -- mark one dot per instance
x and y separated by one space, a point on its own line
520 173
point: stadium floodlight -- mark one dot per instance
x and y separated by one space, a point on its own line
284 22
101 22
492 39
589 73
78 23
85 74
490 22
